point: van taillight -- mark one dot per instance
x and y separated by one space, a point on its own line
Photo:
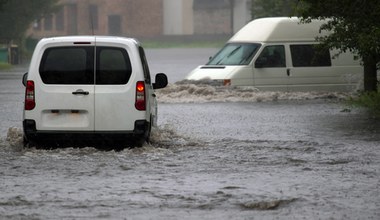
29 96
140 96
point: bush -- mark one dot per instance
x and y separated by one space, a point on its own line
368 100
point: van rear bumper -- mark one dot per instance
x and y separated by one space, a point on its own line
32 134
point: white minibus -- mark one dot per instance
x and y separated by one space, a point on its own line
281 54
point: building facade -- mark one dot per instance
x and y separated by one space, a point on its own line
144 18
102 17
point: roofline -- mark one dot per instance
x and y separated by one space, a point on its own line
279 29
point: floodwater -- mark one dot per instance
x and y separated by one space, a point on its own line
218 153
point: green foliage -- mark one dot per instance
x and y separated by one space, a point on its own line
354 26
17 15
273 8
368 100
354 23
2 2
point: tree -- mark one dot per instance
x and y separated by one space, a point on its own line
16 16
2 2
272 8
354 26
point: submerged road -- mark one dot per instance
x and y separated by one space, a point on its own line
213 156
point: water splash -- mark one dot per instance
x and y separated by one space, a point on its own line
14 136
166 136
266 205
209 91
13 140
161 137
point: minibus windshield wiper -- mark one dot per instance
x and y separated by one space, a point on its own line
229 55
245 59
233 51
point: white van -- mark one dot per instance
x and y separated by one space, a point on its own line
280 54
89 88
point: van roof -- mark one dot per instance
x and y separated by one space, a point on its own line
278 29
89 38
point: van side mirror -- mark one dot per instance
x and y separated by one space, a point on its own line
260 62
24 78
161 81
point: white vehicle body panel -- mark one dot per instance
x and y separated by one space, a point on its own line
96 106
114 104
75 112
343 74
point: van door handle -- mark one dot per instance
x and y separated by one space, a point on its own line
288 72
80 92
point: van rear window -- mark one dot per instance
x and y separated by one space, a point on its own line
67 65
75 65
308 55
113 67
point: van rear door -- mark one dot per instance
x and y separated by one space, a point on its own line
65 97
115 88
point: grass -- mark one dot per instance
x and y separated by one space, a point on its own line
368 100
5 66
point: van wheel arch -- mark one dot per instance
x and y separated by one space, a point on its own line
145 137
148 130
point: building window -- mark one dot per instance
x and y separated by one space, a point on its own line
211 4
114 25
59 20
93 11
72 14
48 22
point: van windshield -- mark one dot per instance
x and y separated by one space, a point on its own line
235 54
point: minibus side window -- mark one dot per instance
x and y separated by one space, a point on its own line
271 56
308 55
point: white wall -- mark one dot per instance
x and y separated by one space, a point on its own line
242 14
178 17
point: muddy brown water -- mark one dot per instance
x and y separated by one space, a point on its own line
217 154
